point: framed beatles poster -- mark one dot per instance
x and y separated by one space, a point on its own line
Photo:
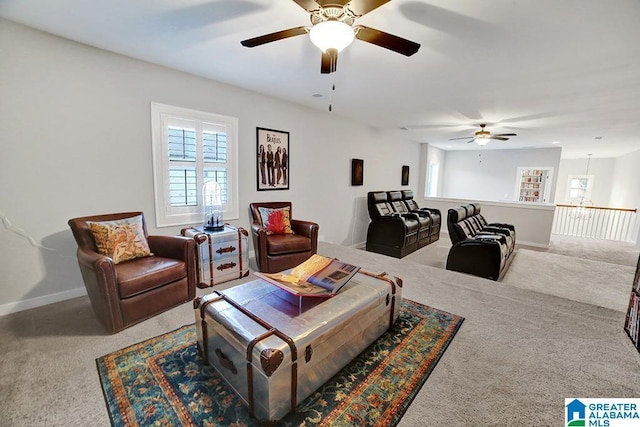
273 159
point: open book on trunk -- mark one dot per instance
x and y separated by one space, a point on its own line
316 277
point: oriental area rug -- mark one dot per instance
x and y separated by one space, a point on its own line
163 381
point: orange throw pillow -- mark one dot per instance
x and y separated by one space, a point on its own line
121 240
276 221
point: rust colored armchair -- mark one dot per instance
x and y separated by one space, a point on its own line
277 252
128 292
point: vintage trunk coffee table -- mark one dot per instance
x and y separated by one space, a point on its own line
273 353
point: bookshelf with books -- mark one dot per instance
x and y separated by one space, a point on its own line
632 322
531 185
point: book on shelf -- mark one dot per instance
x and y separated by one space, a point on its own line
318 276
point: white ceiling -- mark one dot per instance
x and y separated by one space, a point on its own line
548 70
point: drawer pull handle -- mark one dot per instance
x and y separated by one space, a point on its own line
226 362
225 250
225 266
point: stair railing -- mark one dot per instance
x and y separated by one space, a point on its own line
596 222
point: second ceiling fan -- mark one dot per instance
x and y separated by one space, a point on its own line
333 30
482 137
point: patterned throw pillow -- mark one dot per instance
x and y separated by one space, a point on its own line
121 240
276 221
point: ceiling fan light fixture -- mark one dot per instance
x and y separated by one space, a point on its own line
481 141
331 34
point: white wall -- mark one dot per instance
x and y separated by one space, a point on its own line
491 174
423 173
76 140
626 177
626 191
602 170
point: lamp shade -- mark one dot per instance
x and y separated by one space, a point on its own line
481 141
331 35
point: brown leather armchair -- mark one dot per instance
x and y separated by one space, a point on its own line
126 293
277 252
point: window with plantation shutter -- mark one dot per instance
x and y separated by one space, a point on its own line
190 148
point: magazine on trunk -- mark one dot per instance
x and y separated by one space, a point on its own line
318 276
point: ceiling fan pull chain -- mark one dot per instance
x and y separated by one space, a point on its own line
333 89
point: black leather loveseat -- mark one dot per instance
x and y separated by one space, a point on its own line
479 248
397 228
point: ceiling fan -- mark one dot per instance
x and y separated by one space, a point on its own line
482 136
332 30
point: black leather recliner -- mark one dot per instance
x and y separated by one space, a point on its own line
424 219
390 233
434 214
479 248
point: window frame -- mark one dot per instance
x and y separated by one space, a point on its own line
587 192
167 215
433 178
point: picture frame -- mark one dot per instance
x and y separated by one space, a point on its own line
273 159
405 175
357 171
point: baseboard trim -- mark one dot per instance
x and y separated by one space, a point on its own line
360 245
534 244
14 307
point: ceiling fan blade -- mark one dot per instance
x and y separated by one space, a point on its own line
468 142
329 62
464 137
278 35
362 7
308 5
386 40
498 137
505 134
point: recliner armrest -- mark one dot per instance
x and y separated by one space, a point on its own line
304 228
432 211
392 217
257 229
101 267
490 237
93 260
409 215
176 247
502 225
421 213
497 230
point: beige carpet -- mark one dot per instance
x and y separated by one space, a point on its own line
598 250
517 356
584 280
598 272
